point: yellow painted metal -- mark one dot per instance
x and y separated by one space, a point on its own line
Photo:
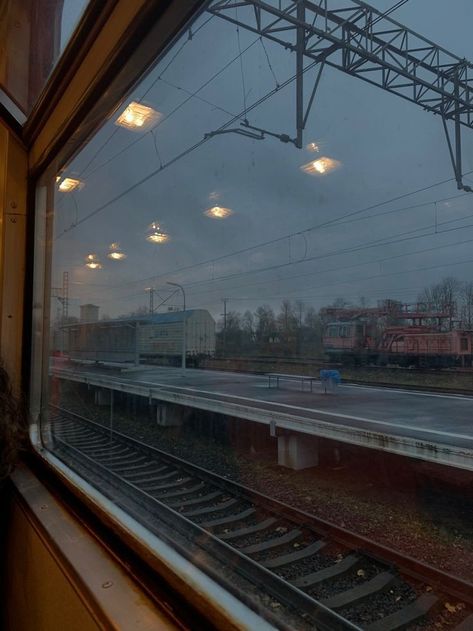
60 577
95 61
13 191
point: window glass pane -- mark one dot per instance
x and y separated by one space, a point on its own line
33 33
261 266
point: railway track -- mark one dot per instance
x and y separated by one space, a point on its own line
313 572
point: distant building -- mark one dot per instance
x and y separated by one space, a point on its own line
89 313
153 338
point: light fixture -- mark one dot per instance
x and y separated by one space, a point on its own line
321 166
138 117
69 184
115 252
218 212
92 261
313 146
156 234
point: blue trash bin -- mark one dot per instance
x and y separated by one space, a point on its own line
330 379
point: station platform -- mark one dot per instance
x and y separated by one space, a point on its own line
430 426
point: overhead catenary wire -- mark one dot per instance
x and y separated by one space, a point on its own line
148 90
191 35
177 108
404 237
370 278
279 239
344 267
182 154
271 69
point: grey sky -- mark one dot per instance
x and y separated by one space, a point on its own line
387 147
71 13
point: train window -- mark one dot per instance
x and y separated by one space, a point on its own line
34 34
203 262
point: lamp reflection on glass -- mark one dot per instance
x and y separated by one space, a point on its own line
218 212
115 252
69 184
156 234
92 261
321 166
313 146
138 117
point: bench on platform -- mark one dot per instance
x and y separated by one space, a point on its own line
301 378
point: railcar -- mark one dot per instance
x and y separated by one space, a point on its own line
420 346
120 513
156 338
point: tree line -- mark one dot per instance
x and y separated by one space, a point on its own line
297 328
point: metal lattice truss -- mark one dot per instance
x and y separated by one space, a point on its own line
62 294
356 38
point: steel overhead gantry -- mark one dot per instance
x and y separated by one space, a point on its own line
363 42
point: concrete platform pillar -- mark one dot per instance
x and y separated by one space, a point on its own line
102 396
169 415
298 451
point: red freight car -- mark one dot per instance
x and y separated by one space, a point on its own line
367 338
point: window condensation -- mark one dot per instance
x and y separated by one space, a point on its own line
258 322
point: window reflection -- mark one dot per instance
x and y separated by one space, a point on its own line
314 345
33 33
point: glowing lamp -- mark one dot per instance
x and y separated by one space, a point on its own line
156 234
69 184
115 252
92 261
321 166
218 212
138 117
313 146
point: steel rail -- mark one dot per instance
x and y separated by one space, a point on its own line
406 565
280 589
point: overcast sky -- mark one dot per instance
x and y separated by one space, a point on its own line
387 147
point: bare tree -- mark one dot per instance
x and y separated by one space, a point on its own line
444 297
466 309
287 319
299 309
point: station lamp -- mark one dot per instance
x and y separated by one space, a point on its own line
115 252
156 234
69 184
313 147
138 117
92 261
321 166
218 212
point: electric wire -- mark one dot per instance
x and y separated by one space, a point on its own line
148 90
269 62
191 285
279 239
176 109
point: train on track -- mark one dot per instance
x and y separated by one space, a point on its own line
153 338
396 334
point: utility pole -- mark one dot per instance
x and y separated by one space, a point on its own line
151 299
62 294
225 300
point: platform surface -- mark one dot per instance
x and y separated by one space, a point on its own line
432 426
